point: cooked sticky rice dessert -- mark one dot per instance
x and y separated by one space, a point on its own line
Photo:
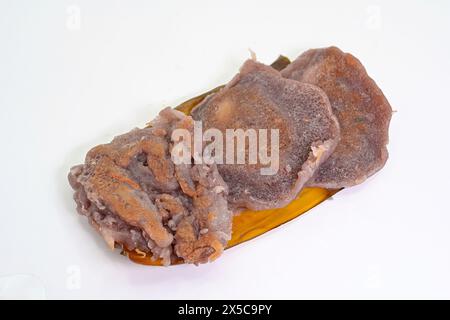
332 121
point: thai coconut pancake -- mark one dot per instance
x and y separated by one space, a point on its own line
260 98
361 108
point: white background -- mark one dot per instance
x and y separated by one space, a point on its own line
75 73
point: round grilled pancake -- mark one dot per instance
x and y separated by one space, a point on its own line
361 108
260 98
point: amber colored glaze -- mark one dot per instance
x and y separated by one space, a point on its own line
251 224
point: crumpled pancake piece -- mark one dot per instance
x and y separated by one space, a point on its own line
136 197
